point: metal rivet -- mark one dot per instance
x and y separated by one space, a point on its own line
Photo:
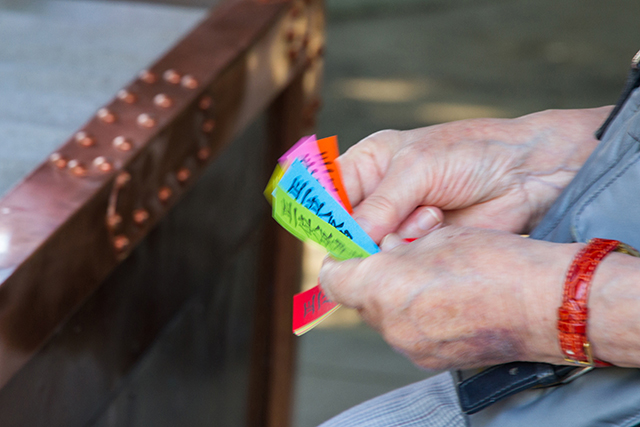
84 139
205 102
293 54
163 101
183 175
126 96
189 82
140 216
106 115
172 76
114 221
146 121
513 371
76 168
123 179
122 143
204 153
164 194
59 161
121 243
148 77
102 164
208 125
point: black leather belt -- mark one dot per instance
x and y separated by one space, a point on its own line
498 382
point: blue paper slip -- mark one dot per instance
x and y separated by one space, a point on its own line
298 183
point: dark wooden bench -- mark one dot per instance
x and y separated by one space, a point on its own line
142 280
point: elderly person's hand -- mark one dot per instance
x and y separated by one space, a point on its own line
465 297
459 297
492 173
462 295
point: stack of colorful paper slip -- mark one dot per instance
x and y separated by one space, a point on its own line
309 200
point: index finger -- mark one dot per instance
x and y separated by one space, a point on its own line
401 190
364 165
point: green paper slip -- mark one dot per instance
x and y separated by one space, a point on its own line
303 224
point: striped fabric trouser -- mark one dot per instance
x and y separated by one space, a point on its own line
429 403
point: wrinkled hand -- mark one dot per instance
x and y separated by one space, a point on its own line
459 297
492 173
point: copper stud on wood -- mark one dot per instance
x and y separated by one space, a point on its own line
172 76
205 102
84 139
106 115
140 216
146 121
58 160
76 168
164 194
163 101
183 175
102 164
208 125
204 153
123 144
114 221
121 243
125 96
189 82
123 179
148 77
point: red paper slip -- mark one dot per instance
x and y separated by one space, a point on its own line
310 308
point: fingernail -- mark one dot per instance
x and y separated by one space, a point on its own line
428 219
391 241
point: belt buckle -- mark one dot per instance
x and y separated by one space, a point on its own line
575 374
587 352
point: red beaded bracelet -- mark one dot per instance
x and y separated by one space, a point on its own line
573 313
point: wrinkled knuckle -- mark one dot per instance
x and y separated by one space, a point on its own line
372 143
408 155
385 136
381 209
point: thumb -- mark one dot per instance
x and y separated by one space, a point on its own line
341 281
395 198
